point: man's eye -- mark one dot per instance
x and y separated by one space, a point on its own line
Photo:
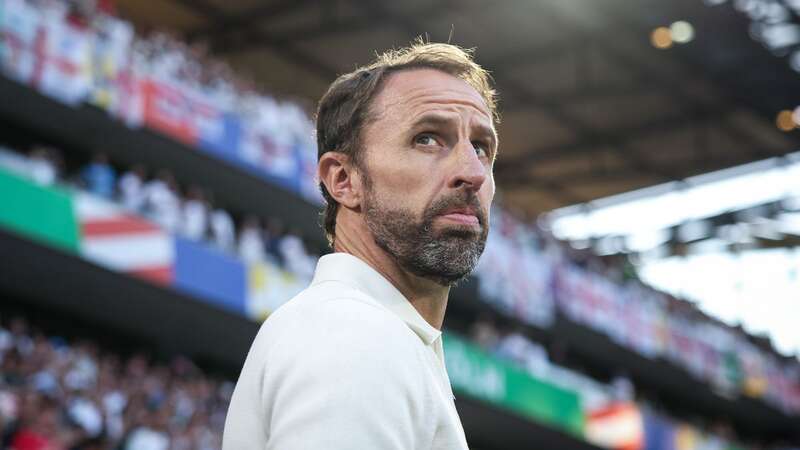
425 139
481 149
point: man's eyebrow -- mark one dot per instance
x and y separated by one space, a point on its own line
435 120
486 131
432 119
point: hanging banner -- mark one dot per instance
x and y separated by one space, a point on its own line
479 375
211 275
617 426
118 240
218 132
41 213
269 287
167 109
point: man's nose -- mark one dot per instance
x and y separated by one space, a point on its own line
469 172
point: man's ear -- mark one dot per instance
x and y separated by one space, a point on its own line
335 170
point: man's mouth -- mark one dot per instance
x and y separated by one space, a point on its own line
465 216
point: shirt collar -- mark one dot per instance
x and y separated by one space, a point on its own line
351 270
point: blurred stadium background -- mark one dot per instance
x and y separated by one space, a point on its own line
639 291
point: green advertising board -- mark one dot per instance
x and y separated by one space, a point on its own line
477 374
40 213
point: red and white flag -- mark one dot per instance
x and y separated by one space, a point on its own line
64 68
114 238
617 426
19 32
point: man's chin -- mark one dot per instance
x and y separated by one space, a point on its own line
457 255
447 279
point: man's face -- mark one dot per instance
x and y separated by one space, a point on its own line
428 173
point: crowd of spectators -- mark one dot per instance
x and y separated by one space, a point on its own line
154 78
61 394
189 212
529 275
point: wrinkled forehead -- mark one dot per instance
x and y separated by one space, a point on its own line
409 92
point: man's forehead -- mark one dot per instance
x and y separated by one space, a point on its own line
413 90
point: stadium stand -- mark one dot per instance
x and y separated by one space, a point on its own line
163 193
62 394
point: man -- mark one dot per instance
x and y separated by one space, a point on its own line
406 148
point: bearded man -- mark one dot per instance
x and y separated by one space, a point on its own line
355 361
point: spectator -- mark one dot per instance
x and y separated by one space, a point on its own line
43 167
267 240
273 235
516 347
295 257
194 222
151 435
99 177
622 387
39 428
484 333
251 242
131 189
222 230
162 204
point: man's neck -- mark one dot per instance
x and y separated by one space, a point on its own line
428 298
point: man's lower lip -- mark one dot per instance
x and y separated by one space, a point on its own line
466 219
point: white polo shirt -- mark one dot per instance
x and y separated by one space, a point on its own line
348 364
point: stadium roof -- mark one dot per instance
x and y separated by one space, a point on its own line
590 107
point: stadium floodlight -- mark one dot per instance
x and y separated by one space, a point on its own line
785 120
682 32
661 38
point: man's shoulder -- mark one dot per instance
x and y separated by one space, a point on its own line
320 298
346 336
335 308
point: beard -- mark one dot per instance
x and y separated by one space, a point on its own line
446 256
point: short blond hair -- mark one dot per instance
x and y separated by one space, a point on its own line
345 108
